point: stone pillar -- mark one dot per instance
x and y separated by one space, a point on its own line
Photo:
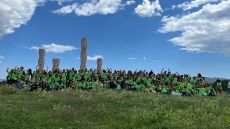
41 59
99 65
56 63
83 53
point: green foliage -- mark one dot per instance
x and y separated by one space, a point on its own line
109 109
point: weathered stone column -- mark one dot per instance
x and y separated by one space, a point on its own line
99 65
56 63
83 53
41 59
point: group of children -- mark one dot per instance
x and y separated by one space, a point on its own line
164 82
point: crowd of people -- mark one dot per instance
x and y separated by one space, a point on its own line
164 82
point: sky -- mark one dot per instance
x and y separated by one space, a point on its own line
185 36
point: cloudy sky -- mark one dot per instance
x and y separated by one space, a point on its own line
186 36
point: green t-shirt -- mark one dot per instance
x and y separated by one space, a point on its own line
167 79
177 90
201 91
95 76
193 81
104 76
80 86
49 80
188 92
20 73
138 79
164 90
208 90
182 85
143 87
56 79
153 87
14 76
118 88
175 80
63 76
159 88
72 75
189 85
95 84
74 82
138 87
78 76
218 84
148 81
106 85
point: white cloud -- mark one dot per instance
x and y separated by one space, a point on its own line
130 2
206 30
15 13
1 58
132 58
55 48
92 7
94 57
193 4
78 58
60 2
148 9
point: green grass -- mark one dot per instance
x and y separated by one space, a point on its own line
105 109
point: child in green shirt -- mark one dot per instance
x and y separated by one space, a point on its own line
219 86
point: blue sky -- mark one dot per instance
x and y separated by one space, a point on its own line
185 36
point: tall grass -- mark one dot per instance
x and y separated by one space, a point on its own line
21 109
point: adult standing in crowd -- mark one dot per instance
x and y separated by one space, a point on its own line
218 86
228 87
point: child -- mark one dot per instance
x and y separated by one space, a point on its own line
210 91
164 90
149 89
176 90
34 85
218 86
202 91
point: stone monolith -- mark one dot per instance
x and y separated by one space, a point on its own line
83 53
56 63
99 65
41 59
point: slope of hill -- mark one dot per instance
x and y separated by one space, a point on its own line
212 80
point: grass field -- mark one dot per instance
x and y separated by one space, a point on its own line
104 109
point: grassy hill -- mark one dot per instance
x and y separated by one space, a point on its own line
212 80
109 109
